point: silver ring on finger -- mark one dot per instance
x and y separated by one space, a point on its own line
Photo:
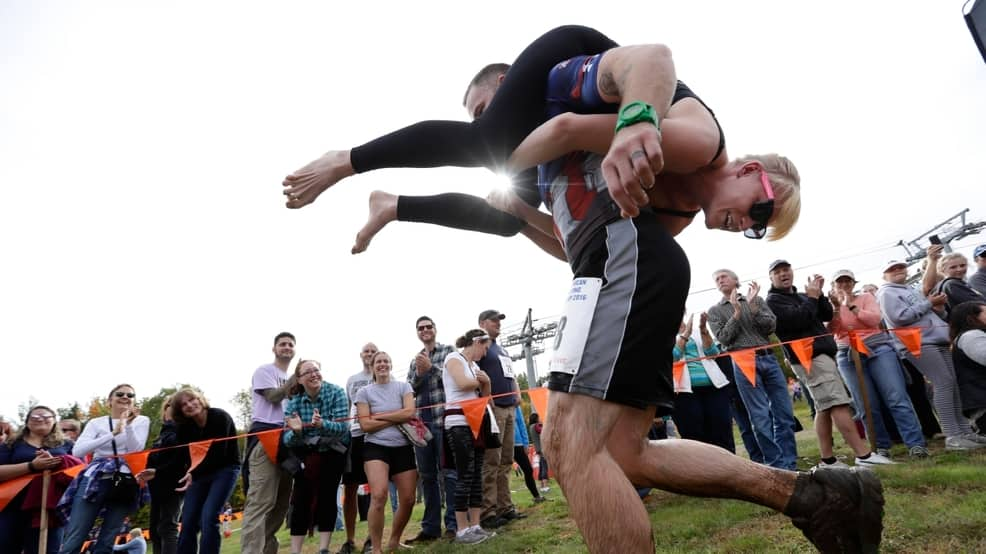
637 154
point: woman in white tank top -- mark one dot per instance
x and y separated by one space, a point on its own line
463 380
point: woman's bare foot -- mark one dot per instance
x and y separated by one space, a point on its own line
303 186
383 210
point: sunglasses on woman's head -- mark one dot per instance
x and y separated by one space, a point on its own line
122 394
760 212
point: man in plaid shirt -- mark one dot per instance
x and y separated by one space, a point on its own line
425 376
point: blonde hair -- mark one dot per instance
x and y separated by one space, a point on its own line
944 260
786 182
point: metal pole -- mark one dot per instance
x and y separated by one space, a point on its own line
870 433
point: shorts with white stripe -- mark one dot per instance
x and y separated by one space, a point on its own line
627 356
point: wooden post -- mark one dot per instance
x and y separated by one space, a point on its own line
870 432
43 531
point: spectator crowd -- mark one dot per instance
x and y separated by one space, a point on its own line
408 437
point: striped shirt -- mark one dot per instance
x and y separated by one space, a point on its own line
429 389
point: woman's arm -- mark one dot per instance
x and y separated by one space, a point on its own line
93 437
457 370
334 422
368 422
135 435
404 414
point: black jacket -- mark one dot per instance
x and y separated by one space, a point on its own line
800 316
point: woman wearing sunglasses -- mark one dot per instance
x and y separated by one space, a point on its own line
121 432
37 447
317 420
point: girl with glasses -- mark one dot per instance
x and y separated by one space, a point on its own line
37 447
318 436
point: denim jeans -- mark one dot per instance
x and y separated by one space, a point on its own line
429 460
84 515
884 383
738 410
204 501
771 414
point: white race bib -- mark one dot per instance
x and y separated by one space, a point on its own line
573 327
508 368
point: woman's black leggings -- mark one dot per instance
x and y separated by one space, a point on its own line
313 498
469 467
520 456
515 111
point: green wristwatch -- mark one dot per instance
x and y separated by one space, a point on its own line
636 112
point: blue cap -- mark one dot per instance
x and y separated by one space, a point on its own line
980 251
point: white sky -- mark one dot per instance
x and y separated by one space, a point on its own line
142 147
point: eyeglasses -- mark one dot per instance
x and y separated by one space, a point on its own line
69 430
39 417
122 394
311 371
760 212
425 327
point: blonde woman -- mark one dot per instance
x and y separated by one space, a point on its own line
387 454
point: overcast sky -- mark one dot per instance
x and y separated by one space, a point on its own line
142 147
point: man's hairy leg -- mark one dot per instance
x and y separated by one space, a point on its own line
602 501
691 467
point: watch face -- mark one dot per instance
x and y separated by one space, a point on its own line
633 110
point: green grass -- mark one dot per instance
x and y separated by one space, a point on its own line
935 505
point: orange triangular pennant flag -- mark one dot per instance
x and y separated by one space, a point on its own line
197 452
539 398
137 461
270 440
856 343
474 410
803 349
676 370
911 337
74 470
746 360
10 489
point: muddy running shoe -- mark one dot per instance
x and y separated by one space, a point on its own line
839 510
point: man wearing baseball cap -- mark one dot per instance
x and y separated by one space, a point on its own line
978 279
802 315
498 508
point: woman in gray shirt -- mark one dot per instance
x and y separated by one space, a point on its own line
387 455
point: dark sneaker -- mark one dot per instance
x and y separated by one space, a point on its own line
368 547
512 515
422 538
493 522
839 510
449 534
347 548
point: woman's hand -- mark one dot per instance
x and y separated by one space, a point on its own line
482 377
185 482
317 420
294 423
144 476
122 423
43 461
